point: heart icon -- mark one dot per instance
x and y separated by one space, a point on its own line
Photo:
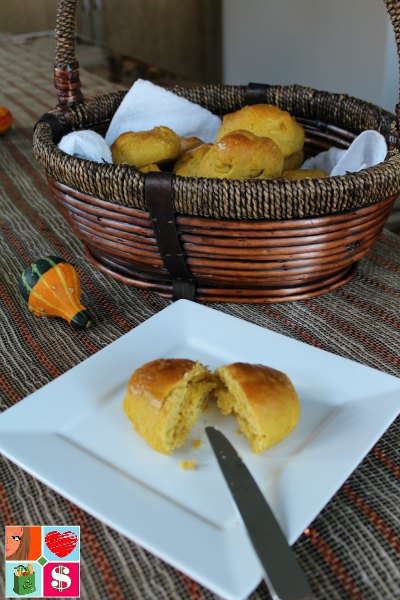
61 544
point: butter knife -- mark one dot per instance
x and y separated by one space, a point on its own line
283 575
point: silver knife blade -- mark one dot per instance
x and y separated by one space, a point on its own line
283 574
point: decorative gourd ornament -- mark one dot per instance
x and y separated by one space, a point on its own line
6 119
51 288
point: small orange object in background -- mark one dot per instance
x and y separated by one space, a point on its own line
6 119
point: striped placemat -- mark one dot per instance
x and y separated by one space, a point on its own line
352 549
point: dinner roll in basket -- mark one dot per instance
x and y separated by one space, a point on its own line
267 120
141 148
241 155
188 163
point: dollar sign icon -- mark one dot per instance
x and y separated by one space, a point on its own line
61 581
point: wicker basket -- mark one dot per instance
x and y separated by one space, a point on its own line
255 241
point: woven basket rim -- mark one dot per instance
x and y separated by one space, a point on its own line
113 168
382 179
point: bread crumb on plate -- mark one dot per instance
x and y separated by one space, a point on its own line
188 465
197 443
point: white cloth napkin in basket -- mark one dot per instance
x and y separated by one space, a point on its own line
86 144
367 150
147 105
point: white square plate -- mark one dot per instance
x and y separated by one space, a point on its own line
73 435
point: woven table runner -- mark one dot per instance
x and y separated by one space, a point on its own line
352 548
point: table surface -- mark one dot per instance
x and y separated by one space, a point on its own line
352 548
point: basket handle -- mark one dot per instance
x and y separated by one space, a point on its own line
66 71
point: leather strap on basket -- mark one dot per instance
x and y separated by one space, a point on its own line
68 85
255 93
158 196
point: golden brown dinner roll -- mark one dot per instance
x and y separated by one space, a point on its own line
241 155
294 161
266 120
164 399
188 143
295 174
188 163
150 168
262 399
141 148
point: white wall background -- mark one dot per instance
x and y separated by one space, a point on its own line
334 45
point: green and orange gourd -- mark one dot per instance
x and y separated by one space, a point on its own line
51 288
